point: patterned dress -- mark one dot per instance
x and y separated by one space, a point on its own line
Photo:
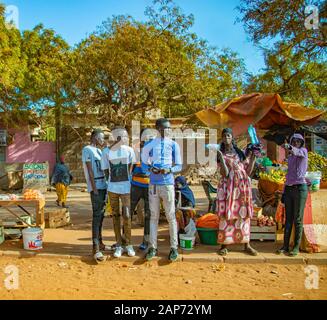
234 202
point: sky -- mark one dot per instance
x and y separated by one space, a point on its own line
75 19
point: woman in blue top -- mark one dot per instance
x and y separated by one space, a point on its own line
61 179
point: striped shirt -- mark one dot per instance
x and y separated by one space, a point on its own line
139 178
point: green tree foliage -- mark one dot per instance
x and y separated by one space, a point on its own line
293 75
128 67
119 72
285 19
12 69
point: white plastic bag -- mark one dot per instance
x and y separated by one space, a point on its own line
190 229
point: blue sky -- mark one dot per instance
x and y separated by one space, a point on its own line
75 19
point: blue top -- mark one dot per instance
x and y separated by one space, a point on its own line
162 153
61 174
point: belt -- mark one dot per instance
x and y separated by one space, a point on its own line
99 178
296 185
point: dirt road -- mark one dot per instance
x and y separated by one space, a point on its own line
42 278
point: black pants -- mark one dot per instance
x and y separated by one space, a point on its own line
98 204
138 193
295 200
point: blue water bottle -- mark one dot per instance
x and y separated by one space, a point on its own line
253 135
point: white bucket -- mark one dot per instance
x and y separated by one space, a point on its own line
186 243
314 178
32 238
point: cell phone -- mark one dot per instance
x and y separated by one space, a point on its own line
155 170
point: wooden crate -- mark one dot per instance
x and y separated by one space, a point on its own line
265 229
56 218
263 233
263 236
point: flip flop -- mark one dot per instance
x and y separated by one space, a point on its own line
223 252
251 251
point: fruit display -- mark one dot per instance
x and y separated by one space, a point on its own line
264 221
30 194
275 175
8 197
317 163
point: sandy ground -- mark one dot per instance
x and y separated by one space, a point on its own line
53 279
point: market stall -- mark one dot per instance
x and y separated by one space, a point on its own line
267 111
24 205
22 213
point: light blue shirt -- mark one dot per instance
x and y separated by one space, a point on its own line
162 153
93 155
120 161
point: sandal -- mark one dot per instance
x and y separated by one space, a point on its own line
251 251
223 251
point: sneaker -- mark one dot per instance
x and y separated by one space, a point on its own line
130 251
282 251
118 252
294 253
143 246
113 247
99 257
173 255
151 254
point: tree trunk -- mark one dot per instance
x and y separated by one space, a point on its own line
58 115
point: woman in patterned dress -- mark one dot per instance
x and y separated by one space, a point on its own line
234 195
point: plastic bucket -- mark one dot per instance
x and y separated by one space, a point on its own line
186 243
32 238
208 236
314 178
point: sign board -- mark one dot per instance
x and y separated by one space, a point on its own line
36 176
3 138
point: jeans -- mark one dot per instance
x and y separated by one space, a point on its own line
295 200
138 193
167 194
125 238
98 204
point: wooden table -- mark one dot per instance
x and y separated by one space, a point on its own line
37 204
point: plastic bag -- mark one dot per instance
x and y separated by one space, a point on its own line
190 229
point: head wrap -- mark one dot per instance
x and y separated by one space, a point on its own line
297 136
185 189
239 152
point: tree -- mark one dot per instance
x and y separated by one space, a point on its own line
12 69
47 80
292 75
128 67
285 19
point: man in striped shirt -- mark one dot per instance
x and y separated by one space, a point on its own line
140 190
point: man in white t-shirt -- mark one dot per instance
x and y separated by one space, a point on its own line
117 161
96 186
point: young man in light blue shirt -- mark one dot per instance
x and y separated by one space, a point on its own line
162 158
96 186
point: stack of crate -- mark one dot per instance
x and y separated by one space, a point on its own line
56 218
261 233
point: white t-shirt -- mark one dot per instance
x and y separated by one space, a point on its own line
93 155
118 162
